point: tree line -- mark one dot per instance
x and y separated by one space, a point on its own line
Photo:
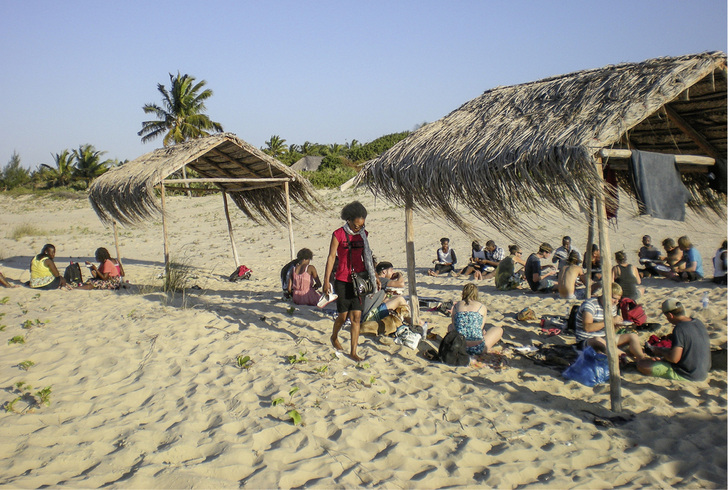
179 118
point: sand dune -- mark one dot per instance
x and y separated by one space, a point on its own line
146 392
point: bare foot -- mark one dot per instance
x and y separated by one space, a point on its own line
430 273
336 344
355 357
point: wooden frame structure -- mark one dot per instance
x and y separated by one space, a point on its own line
259 185
544 144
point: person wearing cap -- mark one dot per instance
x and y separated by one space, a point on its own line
589 328
538 276
562 253
689 357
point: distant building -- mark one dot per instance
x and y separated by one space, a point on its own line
307 163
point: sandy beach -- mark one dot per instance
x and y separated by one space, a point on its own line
146 393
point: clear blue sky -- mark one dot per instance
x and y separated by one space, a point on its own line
325 71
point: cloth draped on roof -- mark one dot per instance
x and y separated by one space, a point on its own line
127 194
526 146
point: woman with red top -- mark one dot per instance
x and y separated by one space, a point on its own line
350 250
106 275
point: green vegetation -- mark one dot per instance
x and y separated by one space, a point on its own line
177 277
243 362
25 394
18 339
300 358
25 365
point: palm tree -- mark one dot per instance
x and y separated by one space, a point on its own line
88 163
182 116
276 146
63 173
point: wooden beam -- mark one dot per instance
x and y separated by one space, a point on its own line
410 250
288 219
228 179
615 379
164 232
686 128
230 230
588 250
679 159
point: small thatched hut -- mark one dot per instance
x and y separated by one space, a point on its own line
258 184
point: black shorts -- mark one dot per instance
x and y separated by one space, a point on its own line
348 300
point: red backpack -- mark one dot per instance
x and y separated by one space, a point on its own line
632 312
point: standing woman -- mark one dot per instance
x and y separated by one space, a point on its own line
43 271
350 250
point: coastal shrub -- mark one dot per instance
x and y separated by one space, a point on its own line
31 400
328 178
177 276
26 230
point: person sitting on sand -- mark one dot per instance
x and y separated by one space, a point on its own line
106 275
720 265
596 262
4 282
590 325
304 280
379 304
505 276
561 255
690 267
493 256
468 318
537 275
446 259
43 271
673 255
568 276
477 262
626 275
689 357
649 256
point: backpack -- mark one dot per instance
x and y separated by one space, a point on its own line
239 274
286 273
72 274
632 312
452 350
571 322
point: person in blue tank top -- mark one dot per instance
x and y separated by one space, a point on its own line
468 318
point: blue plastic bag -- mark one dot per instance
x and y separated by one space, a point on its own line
590 368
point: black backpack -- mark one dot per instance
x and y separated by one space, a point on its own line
571 322
72 274
452 350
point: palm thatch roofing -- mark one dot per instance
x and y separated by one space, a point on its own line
308 163
126 194
535 144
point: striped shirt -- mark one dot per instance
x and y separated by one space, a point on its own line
597 312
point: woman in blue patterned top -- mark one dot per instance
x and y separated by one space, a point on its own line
468 318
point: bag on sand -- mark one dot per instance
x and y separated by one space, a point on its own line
72 274
571 322
452 350
240 273
632 312
590 368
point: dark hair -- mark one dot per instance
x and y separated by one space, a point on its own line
490 243
724 244
46 248
595 247
476 245
304 254
567 237
353 210
545 248
574 258
444 239
102 255
383 266
512 249
620 256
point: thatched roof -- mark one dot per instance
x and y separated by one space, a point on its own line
126 193
529 145
308 163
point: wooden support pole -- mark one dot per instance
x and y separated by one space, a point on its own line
164 232
116 243
230 229
229 179
410 249
588 250
290 221
612 350
187 185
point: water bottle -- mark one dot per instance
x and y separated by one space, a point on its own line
704 302
424 331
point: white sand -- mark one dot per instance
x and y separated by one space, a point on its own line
145 393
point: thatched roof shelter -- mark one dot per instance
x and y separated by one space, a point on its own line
254 180
538 143
308 163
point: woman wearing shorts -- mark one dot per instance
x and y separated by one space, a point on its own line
350 251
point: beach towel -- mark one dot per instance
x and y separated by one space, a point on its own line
658 186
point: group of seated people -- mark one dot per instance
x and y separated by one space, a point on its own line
681 262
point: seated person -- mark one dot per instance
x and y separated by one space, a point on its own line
537 275
561 255
689 357
596 263
43 271
468 318
719 264
477 262
446 259
569 275
626 275
304 280
590 325
4 282
379 304
649 255
505 276
106 275
493 256
673 256
690 266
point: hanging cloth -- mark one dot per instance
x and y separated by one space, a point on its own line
658 186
